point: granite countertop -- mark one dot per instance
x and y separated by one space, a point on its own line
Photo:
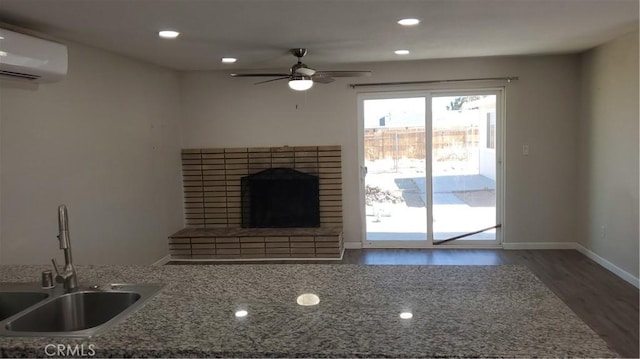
358 314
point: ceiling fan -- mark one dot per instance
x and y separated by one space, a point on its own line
301 77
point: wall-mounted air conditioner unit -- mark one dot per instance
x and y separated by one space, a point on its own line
31 58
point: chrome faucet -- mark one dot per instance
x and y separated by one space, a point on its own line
68 276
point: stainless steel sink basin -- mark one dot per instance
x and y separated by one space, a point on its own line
84 312
14 302
74 311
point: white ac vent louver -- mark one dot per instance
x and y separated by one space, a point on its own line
31 58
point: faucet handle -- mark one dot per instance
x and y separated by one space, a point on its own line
59 278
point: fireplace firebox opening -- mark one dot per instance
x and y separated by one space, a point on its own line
280 198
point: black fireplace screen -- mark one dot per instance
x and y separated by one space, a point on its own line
280 198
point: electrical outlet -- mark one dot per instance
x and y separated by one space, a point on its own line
603 231
525 150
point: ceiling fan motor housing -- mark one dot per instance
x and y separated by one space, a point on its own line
299 52
294 69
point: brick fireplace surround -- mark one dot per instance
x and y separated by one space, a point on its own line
212 204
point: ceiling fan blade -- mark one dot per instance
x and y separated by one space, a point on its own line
323 79
279 78
305 71
344 73
259 75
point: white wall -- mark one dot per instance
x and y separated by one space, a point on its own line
609 153
220 111
106 142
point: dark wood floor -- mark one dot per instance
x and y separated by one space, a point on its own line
608 304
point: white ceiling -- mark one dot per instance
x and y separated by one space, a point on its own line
260 32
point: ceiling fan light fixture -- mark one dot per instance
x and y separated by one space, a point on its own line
300 83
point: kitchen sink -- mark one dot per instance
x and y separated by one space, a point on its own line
74 311
83 312
15 302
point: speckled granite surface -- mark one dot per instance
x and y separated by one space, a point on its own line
458 311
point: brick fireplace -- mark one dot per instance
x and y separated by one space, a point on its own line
212 183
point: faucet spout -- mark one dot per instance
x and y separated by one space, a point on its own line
68 275
63 227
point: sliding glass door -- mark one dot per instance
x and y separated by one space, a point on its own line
395 160
463 168
431 172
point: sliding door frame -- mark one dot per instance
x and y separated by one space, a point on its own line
428 94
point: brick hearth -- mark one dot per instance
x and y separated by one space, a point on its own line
212 195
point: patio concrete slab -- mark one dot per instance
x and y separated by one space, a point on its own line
456 183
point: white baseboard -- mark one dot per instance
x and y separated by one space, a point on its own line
628 277
162 261
540 245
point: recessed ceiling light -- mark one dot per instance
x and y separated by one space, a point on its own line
241 313
1 37
3 53
308 299
408 22
402 52
406 315
168 34
229 60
